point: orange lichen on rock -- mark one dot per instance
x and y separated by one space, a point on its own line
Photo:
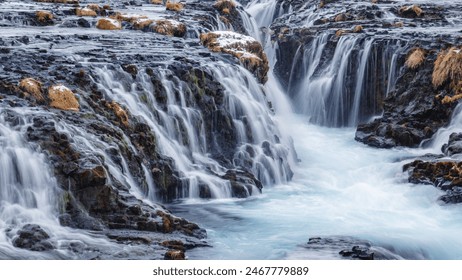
169 27
119 112
108 24
85 12
415 58
247 49
448 67
62 98
174 6
44 16
32 87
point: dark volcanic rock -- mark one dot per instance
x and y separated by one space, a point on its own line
33 237
349 248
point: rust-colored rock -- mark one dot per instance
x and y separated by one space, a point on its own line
62 98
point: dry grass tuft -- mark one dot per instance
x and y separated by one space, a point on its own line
174 6
358 29
448 67
415 58
340 17
119 112
108 24
44 16
32 87
142 23
157 2
340 32
94 7
62 98
225 6
85 12
169 28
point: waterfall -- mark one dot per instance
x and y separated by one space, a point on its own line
184 135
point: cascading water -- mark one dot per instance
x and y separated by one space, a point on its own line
179 127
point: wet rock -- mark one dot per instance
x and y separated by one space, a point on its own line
243 183
454 145
349 248
33 237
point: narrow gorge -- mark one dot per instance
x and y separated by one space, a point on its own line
258 129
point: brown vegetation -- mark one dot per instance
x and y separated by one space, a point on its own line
174 255
44 16
62 98
169 27
225 6
448 67
142 23
157 2
358 29
85 12
94 7
108 24
415 58
340 17
119 112
32 87
174 6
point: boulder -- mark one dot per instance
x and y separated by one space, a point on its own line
62 98
33 237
